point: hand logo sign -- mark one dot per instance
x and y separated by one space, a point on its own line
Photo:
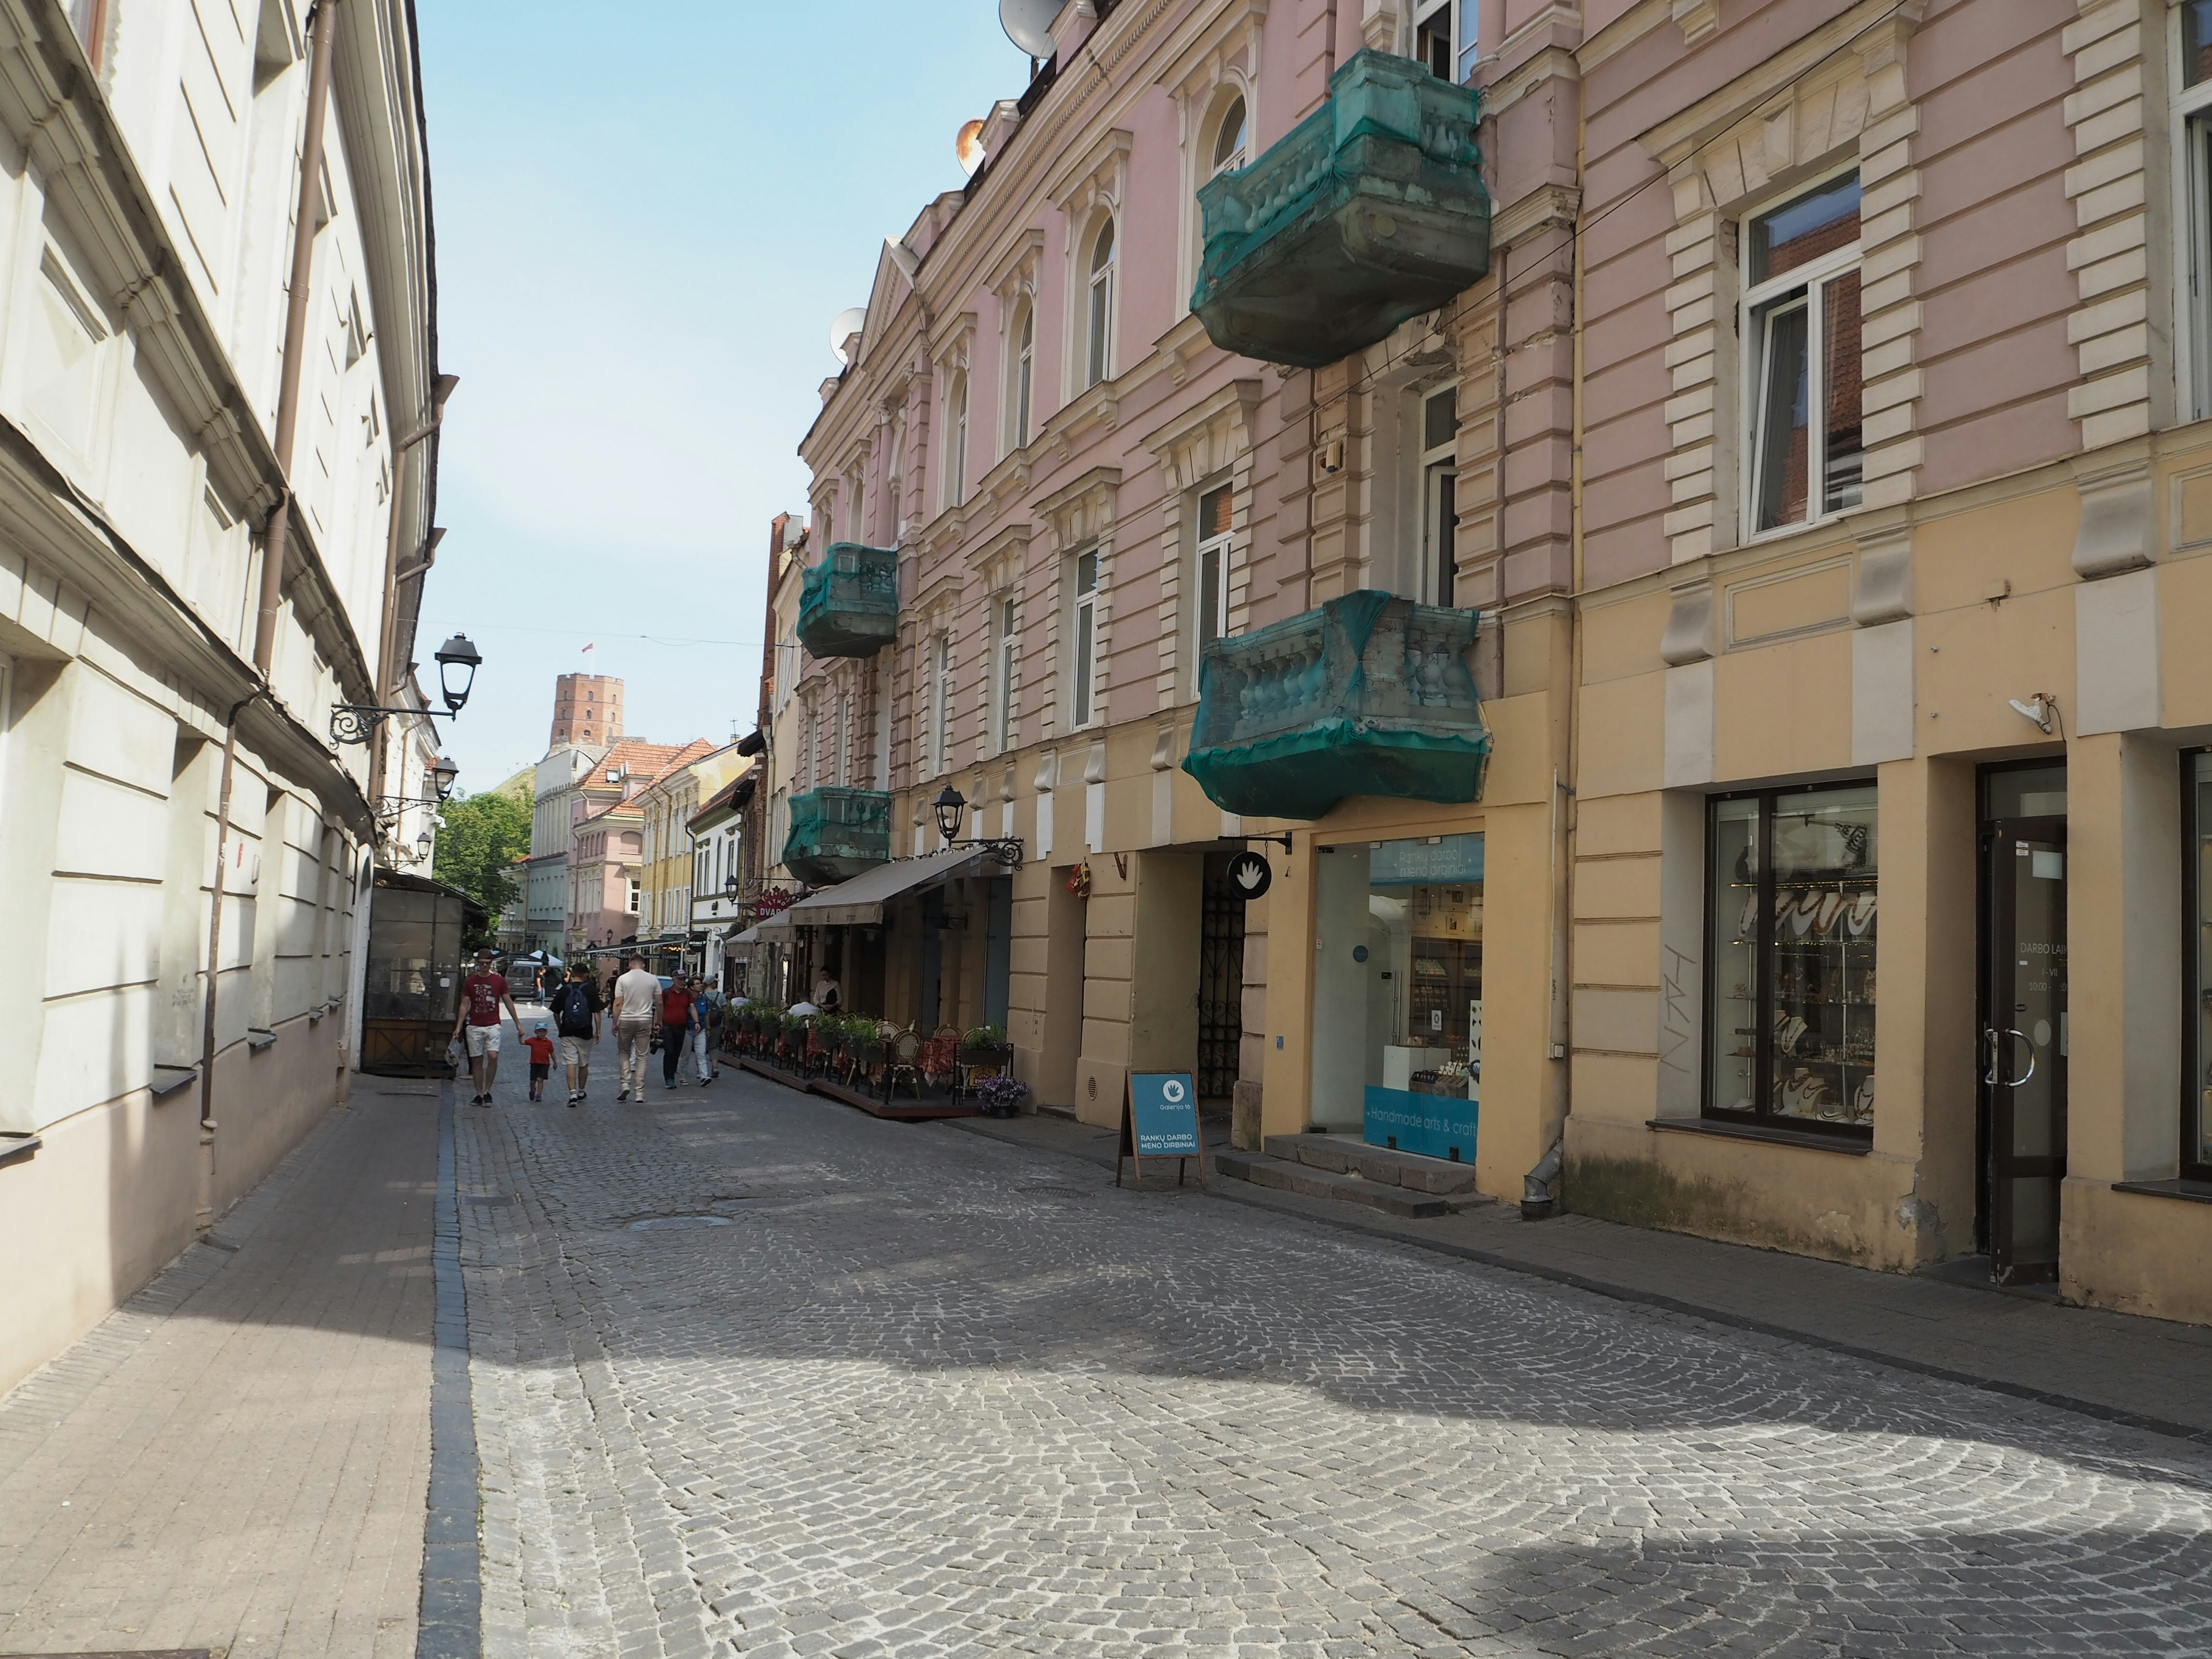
1250 875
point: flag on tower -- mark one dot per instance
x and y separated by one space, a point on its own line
587 647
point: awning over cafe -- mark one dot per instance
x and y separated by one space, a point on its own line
859 902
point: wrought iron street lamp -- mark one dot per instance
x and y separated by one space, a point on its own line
950 805
457 662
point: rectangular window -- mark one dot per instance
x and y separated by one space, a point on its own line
1084 638
2193 123
940 711
956 445
1002 715
844 738
634 891
1444 37
1025 376
1790 965
1801 342
2196 1092
1439 569
1213 540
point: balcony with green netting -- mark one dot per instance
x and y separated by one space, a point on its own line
1370 695
837 834
848 604
1370 211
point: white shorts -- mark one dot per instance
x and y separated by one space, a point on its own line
483 1040
575 1051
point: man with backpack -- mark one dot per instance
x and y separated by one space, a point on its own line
575 1009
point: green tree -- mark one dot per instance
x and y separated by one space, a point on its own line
479 839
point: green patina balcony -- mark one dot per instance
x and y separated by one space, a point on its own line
1371 695
1369 211
836 833
849 605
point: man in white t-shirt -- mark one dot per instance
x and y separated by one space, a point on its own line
636 1005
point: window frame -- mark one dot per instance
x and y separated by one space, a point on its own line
1005 662
1762 1120
1461 31
1083 640
2192 121
1435 465
956 441
940 706
2194 1141
1100 282
1021 375
1814 277
1222 543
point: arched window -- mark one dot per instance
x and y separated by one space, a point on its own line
1229 145
1023 378
1099 356
956 442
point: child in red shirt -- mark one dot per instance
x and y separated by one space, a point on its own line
541 1060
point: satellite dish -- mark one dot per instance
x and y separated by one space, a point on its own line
1027 24
968 147
843 327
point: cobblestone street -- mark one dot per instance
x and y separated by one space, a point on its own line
752 1369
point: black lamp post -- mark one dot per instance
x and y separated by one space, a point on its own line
458 656
423 844
457 662
442 778
950 805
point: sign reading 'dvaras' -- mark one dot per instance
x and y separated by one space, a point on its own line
1159 1119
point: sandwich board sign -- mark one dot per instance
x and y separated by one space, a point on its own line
1159 1119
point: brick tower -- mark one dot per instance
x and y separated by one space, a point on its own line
587 709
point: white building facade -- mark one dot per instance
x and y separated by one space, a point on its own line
163 709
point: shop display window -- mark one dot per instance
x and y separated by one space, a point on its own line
1791 921
1400 963
2196 1100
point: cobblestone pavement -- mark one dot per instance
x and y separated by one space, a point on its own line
754 1371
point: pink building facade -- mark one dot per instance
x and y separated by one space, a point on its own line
1817 437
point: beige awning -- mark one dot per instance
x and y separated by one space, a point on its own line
859 902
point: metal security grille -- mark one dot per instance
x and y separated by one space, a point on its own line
1220 983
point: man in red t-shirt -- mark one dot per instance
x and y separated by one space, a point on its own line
482 992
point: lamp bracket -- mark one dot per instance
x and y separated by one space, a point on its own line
1283 842
1005 850
357 722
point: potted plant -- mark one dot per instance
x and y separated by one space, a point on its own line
985 1045
1002 1095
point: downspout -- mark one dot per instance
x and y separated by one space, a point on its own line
1328 49
323 23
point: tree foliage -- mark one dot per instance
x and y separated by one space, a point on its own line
480 838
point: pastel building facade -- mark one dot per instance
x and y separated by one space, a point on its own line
1706 603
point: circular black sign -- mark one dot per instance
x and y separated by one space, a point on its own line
1248 875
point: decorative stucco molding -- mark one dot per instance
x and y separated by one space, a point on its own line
1698 19
1690 635
1883 590
2120 517
2116 60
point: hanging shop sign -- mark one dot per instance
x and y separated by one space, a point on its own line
1250 875
1159 1119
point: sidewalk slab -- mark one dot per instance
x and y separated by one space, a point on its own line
2119 1367
236 1461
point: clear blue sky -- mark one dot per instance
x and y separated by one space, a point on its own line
646 217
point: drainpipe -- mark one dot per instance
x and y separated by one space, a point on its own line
324 25
1536 1199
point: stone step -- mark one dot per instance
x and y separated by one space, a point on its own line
1344 1155
1287 1175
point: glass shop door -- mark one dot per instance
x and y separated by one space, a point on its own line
2021 1061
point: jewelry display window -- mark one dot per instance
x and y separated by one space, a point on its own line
1791 920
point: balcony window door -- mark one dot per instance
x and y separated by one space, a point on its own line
1444 37
1214 525
1440 488
1008 660
1099 341
1022 388
2192 124
1083 639
1801 340
956 442
940 708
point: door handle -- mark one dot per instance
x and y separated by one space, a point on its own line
1989 1054
2016 1083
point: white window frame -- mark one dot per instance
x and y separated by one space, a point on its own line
956 439
1463 20
940 706
1768 297
636 893
1083 640
2192 214
1100 281
845 739
1214 582
1435 466
858 517
895 478
1021 375
1006 661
